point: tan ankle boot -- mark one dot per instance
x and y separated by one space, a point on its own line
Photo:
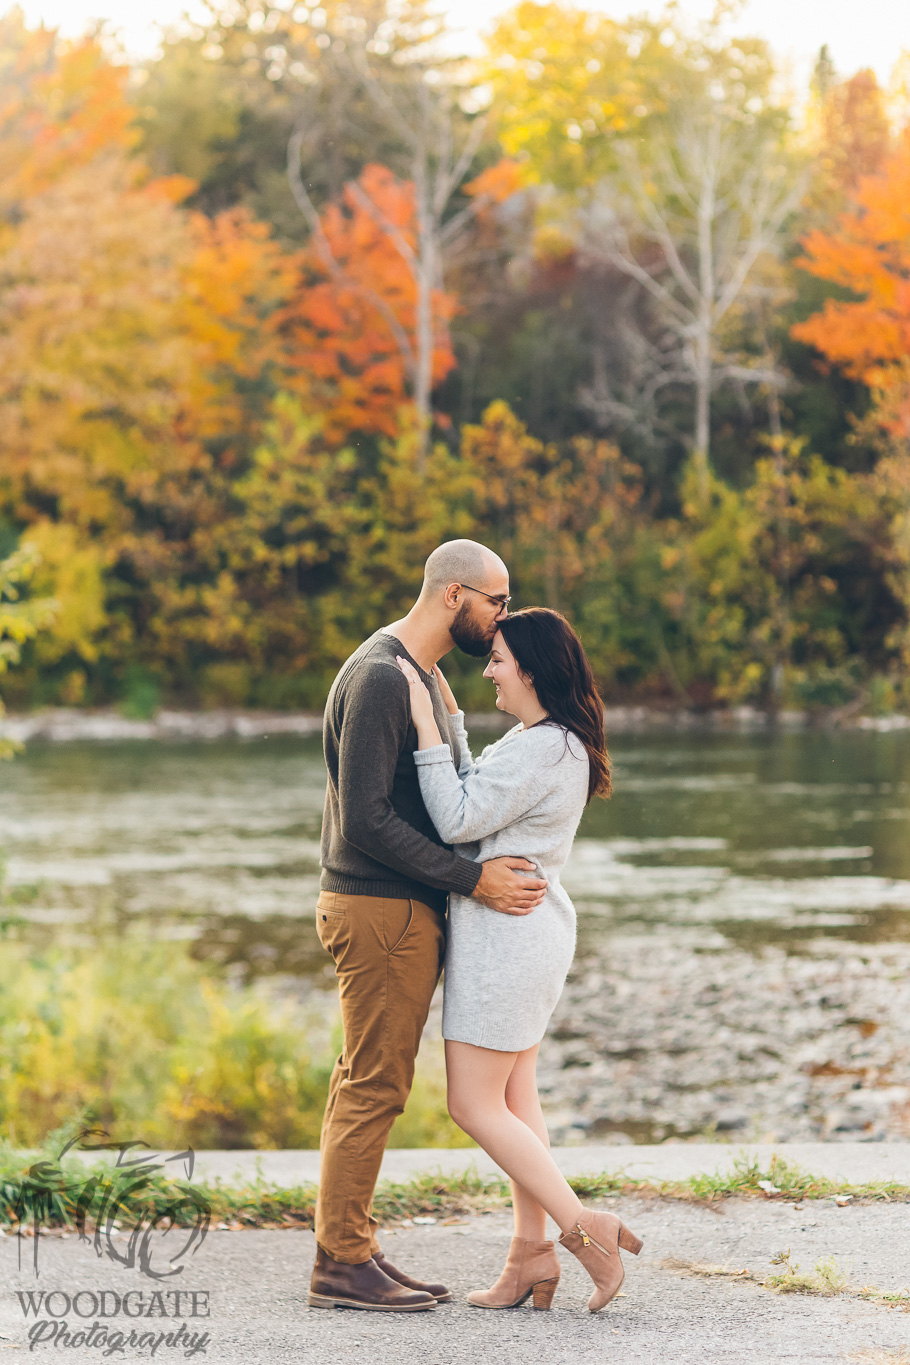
595 1240
531 1268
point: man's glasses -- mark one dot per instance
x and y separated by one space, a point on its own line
501 602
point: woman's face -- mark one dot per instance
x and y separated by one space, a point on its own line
512 691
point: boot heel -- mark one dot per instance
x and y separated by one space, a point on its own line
543 1293
628 1241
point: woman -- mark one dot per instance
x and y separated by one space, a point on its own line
504 973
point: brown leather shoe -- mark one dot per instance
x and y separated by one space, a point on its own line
337 1285
439 1291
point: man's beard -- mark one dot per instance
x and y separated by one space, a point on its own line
469 635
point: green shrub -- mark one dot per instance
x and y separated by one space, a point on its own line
141 694
141 1039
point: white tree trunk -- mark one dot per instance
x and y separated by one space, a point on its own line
425 275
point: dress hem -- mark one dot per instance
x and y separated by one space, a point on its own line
491 1039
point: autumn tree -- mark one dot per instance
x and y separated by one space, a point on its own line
354 318
867 335
850 137
424 109
701 196
682 181
133 341
565 82
868 253
221 101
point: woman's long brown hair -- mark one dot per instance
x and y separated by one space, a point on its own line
550 655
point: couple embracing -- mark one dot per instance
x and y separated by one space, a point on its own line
412 823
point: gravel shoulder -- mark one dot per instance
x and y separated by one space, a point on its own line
256 1283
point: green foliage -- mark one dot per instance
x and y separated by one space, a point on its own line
138 1037
141 693
21 617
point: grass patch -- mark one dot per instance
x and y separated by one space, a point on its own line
261 1204
827 1278
781 1181
54 1188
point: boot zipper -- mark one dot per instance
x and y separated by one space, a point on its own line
587 1239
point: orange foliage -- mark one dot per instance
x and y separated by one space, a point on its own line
869 254
235 285
498 182
346 356
855 134
61 105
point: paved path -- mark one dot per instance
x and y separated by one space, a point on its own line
255 1283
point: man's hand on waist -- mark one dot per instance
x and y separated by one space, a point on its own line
501 889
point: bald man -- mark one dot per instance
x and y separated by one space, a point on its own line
386 875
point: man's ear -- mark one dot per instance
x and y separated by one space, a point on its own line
450 596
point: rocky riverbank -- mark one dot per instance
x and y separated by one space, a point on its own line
657 1040
63 724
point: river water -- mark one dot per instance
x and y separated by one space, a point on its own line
744 912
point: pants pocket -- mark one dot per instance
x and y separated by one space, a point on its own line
331 920
398 916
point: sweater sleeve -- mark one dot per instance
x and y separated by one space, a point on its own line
373 733
465 762
496 793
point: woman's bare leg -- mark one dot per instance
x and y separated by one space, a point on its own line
523 1100
477 1081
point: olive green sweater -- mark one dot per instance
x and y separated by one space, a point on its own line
377 838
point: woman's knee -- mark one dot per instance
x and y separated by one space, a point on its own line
473 1112
461 1111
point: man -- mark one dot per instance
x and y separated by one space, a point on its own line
381 910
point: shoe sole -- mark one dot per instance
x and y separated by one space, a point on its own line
324 1301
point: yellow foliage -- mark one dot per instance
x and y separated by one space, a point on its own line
72 572
563 82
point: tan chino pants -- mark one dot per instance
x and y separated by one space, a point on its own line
388 957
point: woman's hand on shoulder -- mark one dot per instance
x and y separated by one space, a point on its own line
448 695
421 701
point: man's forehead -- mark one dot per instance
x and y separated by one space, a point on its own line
497 578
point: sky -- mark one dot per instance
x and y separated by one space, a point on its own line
858 32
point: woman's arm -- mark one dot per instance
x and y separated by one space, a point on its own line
465 759
495 794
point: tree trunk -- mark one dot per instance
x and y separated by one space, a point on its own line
702 444
704 334
424 280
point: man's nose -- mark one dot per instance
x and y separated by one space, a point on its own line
502 613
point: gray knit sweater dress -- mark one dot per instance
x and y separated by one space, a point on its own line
523 796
